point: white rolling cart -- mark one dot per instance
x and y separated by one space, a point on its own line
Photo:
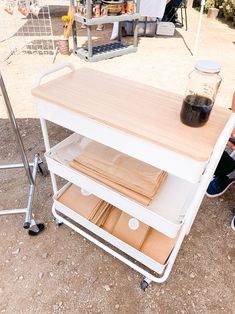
142 122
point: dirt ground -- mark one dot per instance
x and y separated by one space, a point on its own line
59 271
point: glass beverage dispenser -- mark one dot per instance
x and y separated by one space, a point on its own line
203 85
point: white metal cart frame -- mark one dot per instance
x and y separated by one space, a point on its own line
200 175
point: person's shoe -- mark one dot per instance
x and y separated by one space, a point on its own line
178 23
233 223
219 185
100 27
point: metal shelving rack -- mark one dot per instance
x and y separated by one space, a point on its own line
109 50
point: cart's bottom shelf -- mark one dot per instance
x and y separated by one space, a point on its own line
142 243
106 51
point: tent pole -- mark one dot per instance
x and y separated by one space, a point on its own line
198 29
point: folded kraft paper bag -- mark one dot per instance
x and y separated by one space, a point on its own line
134 237
127 175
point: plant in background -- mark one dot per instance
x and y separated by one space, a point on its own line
229 8
218 3
209 4
66 19
213 4
64 40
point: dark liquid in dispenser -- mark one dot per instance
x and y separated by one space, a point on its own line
196 110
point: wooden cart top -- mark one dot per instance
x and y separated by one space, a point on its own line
143 111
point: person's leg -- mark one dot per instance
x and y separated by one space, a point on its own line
224 176
226 165
169 14
115 31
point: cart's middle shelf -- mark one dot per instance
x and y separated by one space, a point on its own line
165 213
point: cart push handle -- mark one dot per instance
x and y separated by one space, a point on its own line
50 70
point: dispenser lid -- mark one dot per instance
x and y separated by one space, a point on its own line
208 66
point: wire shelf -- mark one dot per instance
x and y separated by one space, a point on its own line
30 34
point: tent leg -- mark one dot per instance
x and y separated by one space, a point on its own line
198 29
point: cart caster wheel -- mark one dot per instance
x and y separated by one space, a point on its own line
36 229
58 222
144 285
42 169
26 225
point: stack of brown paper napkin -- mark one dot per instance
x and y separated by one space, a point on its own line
127 175
90 207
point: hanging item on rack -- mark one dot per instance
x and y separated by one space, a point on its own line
27 28
24 7
9 6
130 7
35 8
104 10
97 10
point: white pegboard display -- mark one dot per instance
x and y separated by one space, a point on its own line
25 27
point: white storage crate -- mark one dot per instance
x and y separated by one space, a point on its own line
165 28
